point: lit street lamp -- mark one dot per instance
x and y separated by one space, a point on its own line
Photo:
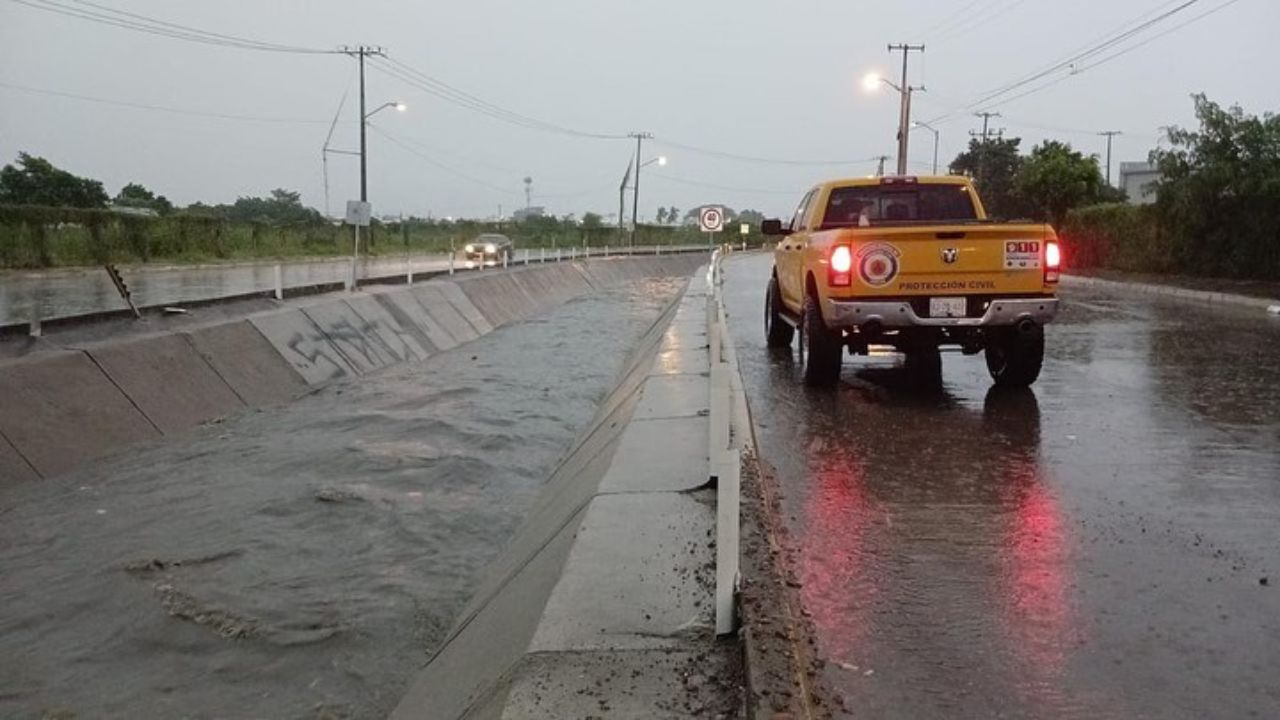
364 173
936 133
364 167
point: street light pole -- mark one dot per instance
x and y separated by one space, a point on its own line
1109 135
936 133
635 197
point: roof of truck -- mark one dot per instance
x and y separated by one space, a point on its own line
894 179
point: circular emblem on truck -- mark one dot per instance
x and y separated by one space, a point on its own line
878 264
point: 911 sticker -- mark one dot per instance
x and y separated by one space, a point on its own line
1022 255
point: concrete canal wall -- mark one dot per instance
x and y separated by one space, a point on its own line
70 402
601 605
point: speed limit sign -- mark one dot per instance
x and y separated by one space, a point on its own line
711 219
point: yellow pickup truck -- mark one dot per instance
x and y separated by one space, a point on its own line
913 263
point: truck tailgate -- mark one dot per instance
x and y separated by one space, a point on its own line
945 260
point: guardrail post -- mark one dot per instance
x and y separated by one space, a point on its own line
33 325
279 281
606 251
542 255
504 260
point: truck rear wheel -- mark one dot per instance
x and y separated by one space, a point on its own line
820 349
1014 358
778 332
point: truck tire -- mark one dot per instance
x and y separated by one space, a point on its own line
778 333
1014 358
923 368
820 349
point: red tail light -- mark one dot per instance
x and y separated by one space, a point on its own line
1052 261
840 267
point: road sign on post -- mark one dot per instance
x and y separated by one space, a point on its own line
359 213
711 219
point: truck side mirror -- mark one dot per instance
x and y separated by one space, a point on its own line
773 227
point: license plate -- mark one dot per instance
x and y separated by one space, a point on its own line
947 307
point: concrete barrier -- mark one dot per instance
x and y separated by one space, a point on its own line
60 410
359 342
404 345
248 363
435 302
14 467
301 343
606 586
165 378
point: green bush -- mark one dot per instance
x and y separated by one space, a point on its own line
1115 235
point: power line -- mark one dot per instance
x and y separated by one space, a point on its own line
140 23
729 188
161 108
1152 39
1079 70
951 20
756 159
438 88
978 19
1102 43
407 147
1071 60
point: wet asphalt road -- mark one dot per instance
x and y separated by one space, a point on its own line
1105 545
305 561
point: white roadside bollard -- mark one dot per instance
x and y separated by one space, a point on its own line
279 281
542 255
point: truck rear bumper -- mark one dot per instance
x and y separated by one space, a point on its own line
899 314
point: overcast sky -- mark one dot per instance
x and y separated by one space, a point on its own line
770 79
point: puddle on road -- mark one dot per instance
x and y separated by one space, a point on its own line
301 562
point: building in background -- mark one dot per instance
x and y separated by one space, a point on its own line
1138 180
535 211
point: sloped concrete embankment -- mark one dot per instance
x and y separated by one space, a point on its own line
66 405
602 604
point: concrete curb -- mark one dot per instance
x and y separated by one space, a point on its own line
68 403
1170 291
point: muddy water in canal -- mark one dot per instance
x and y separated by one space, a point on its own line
305 561
1104 544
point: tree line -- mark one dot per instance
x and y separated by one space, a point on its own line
1217 208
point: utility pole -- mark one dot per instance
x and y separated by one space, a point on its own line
880 167
1109 134
985 135
635 198
622 199
360 52
904 116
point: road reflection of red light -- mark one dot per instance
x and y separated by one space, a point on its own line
831 553
1040 624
